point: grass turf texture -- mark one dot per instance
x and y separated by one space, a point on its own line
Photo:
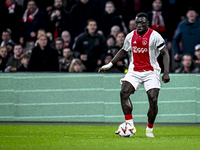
86 137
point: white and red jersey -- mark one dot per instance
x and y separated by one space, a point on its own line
144 50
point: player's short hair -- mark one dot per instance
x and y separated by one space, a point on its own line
142 14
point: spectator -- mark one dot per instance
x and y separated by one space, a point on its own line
50 37
187 33
120 39
90 47
4 58
80 13
123 63
2 66
115 30
131 26
24 63
76 66
45 5
69 4
10 16
187 65
111 41
6 37
33 20
107 59
14 61
112 18
66 61
58 20
129 8
40 31
59 45
43 57
159 20
197 54
10 47
68 41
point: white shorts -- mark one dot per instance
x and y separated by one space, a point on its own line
149 78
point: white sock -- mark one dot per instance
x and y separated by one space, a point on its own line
150 129
130 121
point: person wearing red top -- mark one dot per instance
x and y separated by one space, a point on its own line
145 45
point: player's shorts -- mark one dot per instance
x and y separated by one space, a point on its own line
150 79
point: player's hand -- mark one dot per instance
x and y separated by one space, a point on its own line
105 67
165 78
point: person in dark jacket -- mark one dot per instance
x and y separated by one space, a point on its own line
33 20
188 65
80 13
43 57
24 62
187 33
14 61
111 18
58 19
10 16
90 47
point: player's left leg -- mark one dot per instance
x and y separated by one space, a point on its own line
153 110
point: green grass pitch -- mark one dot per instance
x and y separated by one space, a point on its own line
95 137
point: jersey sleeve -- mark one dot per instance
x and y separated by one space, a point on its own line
159 41
127 42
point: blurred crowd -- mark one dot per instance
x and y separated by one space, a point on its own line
83 35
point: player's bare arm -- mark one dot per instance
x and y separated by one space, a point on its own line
165 77
120 54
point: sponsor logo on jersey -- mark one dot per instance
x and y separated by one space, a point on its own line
139 50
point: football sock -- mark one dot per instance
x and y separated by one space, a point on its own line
149 126
129 119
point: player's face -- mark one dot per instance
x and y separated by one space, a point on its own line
141 24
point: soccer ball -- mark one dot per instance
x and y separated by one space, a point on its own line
125 130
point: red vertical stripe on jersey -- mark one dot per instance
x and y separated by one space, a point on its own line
140 50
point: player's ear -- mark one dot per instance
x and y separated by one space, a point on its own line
147 23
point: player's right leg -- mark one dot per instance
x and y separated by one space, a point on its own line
126 90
